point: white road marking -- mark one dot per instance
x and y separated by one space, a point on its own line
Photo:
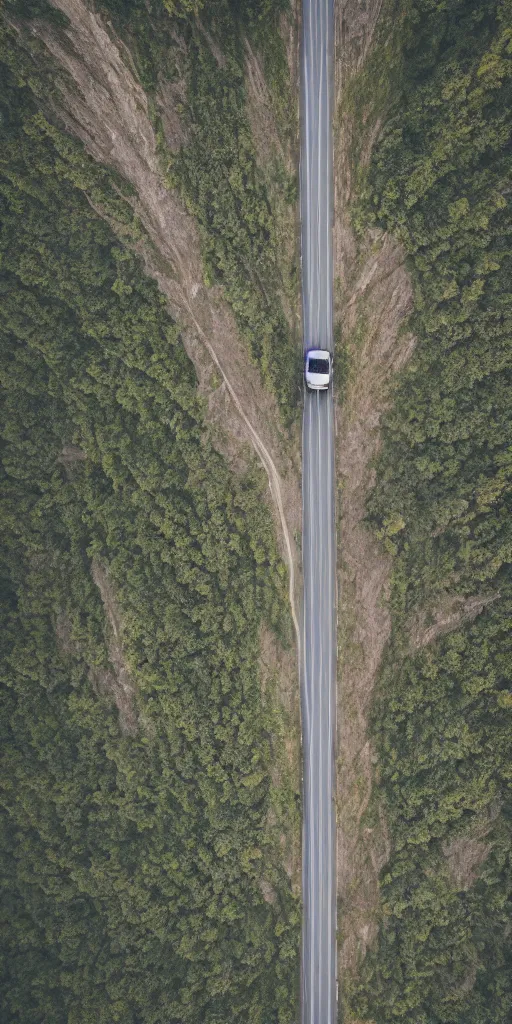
319 971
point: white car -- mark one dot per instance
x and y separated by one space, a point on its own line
318 369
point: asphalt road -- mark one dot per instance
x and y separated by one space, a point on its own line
319 534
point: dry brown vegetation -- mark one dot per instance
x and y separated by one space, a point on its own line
102 103
373 295
450 613
466 854
464 857
181 611
70 455
354 27
113 682
116 682
376 303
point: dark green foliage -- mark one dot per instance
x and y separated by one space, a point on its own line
217 173
443 718
36 9
131 858
440 180
219 178
443 726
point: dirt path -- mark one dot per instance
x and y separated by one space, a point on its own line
103 104
270 468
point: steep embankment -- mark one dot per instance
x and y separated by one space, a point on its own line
425 923
149 813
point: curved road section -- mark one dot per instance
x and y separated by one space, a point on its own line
319 537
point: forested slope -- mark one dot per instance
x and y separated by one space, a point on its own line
215 170
146 806
442 718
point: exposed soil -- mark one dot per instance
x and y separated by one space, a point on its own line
63 632
466 854
373 295
115 682
69 457
375 306
103 104
171 95
448 615
355 22
265 135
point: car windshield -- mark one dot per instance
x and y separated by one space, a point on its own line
318 366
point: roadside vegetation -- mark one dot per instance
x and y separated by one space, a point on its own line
439 181
143 829
223 187
216 171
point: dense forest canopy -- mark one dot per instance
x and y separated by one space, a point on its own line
140 845
216 172
440 181
142 871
